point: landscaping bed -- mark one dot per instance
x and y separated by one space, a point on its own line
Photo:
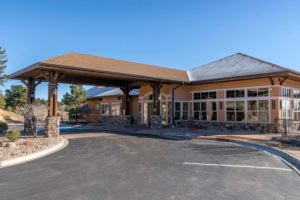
25 146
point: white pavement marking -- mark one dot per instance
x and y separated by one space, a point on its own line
237 166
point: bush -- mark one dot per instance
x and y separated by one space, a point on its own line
13 135
3 127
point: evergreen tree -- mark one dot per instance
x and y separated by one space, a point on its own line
16 97
3 66
74 99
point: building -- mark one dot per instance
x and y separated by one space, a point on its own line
238 91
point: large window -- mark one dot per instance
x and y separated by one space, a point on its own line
286 109
235 93
286 92
115 109
296 93
205 95
235 111
258 92
206 111
297 110
258 111
104 109
181 110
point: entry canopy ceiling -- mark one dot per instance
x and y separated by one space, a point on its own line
87 69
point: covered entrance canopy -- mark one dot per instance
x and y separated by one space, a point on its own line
75 68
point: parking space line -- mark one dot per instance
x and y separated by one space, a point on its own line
236 166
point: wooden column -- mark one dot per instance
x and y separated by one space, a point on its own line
156 86
53 79
125 99
31 84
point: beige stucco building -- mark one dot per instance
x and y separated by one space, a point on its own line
235 91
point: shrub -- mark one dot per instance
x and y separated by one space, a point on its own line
3 127
13 135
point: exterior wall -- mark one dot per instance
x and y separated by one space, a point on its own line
185 94
93 105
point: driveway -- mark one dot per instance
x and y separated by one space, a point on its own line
115 167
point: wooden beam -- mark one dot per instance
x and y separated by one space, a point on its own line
271 80
283 80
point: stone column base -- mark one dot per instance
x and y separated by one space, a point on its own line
52 127
156 121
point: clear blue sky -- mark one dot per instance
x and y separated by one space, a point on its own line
178 34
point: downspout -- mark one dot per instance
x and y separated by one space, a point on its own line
173 103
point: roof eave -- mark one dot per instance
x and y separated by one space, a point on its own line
238 78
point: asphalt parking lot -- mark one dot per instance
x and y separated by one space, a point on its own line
135 168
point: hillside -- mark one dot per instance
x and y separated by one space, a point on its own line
10 116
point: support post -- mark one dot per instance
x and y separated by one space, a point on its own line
173 104
31 85
156 119
52 122
125 99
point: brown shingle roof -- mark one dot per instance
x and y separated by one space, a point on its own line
88 62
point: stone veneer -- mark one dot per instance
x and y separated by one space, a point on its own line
52 127
156 121
268 128
116 120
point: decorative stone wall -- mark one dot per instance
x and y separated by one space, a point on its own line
126 120
137 120
266 128
156 121
52 127
115 120
104 119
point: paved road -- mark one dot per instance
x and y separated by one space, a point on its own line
134 168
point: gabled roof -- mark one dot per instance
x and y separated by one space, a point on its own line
98 92
234 67
114 66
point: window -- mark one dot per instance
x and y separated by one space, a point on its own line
205 95
206 111
258 111
197 111
297 110
235 111
177 110
285 92
258 92
286 109
185 110
296 93
115 109
181 110
235 93
104 109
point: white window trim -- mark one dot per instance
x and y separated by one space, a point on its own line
101 109
181 110
207 100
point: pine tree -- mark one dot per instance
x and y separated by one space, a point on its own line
74 99
3 66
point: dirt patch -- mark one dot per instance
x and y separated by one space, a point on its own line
8 116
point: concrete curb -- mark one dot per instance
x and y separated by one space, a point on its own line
34 156
287 158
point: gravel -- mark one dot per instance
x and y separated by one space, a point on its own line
26 145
